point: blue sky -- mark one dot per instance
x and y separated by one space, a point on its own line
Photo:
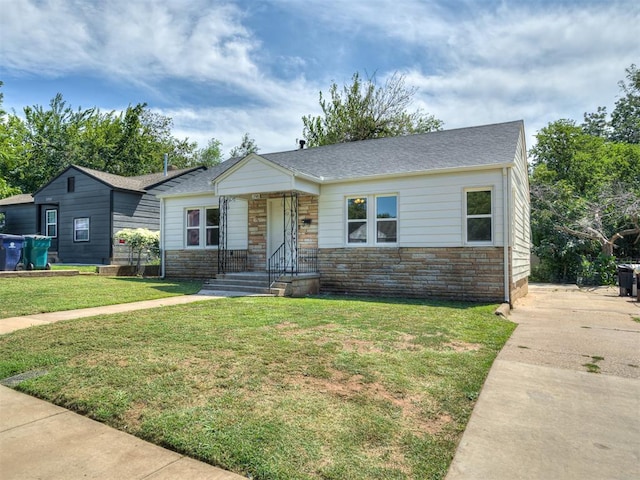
222 68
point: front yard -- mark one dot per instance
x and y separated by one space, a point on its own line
28 296
317 388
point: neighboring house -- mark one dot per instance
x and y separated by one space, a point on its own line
81 209
19 214
442 214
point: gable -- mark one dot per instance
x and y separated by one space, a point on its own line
254 174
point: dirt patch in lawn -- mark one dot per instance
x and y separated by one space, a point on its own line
348 387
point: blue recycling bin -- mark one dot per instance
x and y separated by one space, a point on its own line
10 251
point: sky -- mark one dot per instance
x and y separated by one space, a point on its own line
220 68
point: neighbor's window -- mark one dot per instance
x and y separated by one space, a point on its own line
81 229
479 216
51 229
193 227
387 219
357 220
213 227
71 184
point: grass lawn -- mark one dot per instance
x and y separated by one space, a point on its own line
274 388
27 296
80 268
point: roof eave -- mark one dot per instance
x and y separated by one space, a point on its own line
473 168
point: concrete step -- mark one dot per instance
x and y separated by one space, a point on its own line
253 283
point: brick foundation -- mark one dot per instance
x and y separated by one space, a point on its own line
469 274
519 289
198 264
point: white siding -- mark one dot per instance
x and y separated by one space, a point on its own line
520 224
430 208
174 220
255 177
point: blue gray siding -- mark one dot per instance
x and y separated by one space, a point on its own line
20 219
91 199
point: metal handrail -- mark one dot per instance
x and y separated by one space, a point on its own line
304 261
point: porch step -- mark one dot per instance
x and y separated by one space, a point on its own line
249 283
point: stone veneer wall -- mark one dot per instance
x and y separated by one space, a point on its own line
519 289
307 233
470 274
196 263
257 241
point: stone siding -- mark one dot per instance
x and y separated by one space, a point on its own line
470 274
257 257
197 263
307 232
519 289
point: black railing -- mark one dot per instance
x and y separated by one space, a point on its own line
231 261
283 262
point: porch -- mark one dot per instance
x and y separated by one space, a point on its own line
282 242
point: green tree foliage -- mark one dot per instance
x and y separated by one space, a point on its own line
364 110
133 142
210 155
624 125
247 145
585 189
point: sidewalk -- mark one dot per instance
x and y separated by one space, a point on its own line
41 440
541 414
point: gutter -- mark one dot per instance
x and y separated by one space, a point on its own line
162 229
505 232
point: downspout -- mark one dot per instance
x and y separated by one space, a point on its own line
162 231
505 232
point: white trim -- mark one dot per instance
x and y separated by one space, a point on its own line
47 224
88 229
465 217
201 228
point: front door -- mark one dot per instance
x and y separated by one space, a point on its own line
281 224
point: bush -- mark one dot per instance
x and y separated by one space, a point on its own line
600 271
140 241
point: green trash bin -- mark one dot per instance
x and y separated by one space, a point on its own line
36 248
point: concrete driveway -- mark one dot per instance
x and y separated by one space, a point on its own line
562 400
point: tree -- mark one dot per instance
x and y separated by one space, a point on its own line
247 146
584 199
364 110
624 125
133 142
210 155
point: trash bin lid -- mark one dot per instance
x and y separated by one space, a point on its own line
6 237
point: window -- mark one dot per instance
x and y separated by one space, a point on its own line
81 229
197 229
357 220
193 227
71 184
479 215
51 229
213 227
386 219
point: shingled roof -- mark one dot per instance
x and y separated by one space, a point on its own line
135 184
19 199
480 146
202 182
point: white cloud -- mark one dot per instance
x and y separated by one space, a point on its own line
141 39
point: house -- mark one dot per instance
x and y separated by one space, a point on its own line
81 209
442 214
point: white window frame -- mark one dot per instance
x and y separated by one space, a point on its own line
202 228
371 222
214 227
49 224
467 216
76 229
385 220
357 220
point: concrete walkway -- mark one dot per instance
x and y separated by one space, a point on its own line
39 440
541 414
